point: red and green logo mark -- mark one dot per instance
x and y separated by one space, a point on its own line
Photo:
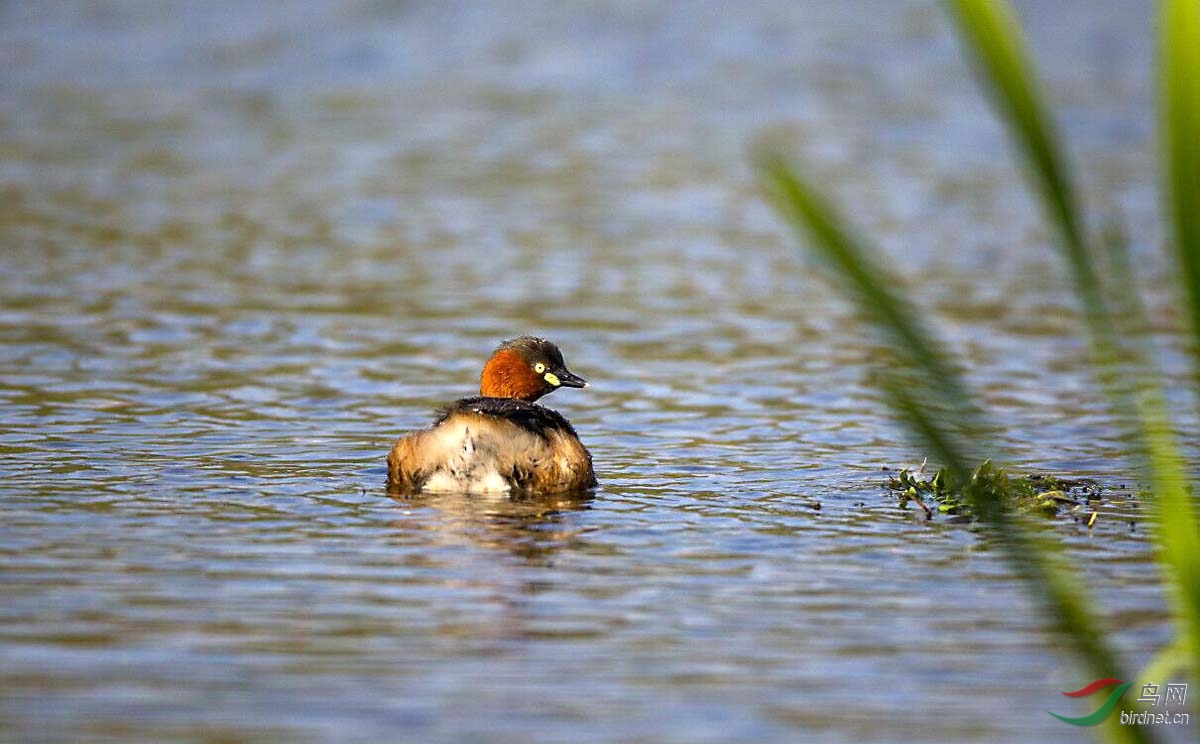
1103 711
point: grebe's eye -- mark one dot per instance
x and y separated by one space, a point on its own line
539 368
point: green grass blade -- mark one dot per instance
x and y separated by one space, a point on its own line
930 431
1179 125
994 39
947 431
861 271
920 384
1179 116
923 388
1176 529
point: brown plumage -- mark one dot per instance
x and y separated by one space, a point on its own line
502 440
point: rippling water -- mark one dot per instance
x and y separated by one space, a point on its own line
243 250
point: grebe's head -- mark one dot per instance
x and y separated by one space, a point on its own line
526 368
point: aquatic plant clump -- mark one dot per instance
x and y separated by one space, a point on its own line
1043 495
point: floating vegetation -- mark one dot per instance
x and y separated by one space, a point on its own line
1043 495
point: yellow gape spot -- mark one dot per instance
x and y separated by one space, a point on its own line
552 379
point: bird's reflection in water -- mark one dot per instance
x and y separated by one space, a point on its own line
531 527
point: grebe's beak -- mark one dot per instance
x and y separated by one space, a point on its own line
563 378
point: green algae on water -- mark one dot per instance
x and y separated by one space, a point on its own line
1043 495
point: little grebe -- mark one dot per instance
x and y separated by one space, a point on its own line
502 440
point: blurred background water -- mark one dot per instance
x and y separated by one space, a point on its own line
245 246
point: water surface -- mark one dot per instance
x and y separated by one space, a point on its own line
244 249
